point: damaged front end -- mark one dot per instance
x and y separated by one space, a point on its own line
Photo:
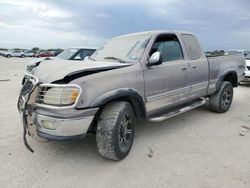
26 106
49 111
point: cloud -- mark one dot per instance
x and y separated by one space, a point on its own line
219 24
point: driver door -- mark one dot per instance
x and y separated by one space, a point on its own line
167 84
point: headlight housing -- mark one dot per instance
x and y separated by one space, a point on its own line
58 95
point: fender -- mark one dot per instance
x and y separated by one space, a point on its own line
131 95
224 74
228 71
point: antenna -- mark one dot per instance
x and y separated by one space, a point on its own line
87 39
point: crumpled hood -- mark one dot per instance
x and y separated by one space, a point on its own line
35 62
52 70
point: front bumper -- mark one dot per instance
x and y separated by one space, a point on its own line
60 128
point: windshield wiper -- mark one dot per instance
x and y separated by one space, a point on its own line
115 58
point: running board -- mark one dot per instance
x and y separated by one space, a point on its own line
168 115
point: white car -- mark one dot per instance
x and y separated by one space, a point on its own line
29 53
247 71
14 53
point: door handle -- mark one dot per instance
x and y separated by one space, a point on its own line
184 68
194 67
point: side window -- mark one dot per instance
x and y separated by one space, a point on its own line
192 46
169 47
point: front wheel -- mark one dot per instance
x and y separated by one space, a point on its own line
221 101
115 130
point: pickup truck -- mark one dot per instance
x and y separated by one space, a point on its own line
150 75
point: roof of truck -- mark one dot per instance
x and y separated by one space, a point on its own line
156 32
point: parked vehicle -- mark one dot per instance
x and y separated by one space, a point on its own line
2 52
74 54
247 71
38 52
14 53
78 53
149 75
239 51
29 53
44 54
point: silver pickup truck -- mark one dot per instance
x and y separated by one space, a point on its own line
148 75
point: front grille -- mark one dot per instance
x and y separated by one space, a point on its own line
248 67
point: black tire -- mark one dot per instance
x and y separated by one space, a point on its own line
8 55
22 56
221 101
115 130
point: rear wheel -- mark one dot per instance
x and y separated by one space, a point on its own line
221 101
8 55
22 56
115 130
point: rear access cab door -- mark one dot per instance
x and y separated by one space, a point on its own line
199 68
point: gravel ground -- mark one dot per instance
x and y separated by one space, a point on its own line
196 149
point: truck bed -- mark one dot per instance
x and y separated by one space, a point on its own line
228 63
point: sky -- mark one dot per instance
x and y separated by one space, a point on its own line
219 24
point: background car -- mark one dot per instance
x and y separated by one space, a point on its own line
74 54
28 53
2 52
14 53
239 51
44 54
247 71
77 53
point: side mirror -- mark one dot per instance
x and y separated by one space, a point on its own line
155 59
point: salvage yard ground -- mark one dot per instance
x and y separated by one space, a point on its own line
196 149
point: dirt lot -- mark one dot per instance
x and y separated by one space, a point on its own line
196 149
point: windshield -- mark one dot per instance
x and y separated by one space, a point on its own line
67 54
123 49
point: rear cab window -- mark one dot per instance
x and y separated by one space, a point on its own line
192 46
